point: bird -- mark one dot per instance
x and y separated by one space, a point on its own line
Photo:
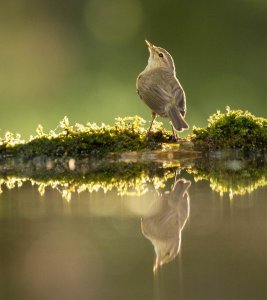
158 86
164 227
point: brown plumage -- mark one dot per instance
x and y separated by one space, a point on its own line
161 91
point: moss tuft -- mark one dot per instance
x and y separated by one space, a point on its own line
235 129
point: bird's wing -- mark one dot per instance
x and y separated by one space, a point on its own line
160 88
175 89
155 98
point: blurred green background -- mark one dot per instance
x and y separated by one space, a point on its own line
80 58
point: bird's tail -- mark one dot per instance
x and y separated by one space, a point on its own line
180 187
177 120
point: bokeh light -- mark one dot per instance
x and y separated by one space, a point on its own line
113 21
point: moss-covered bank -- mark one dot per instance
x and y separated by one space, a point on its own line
127 134
234 129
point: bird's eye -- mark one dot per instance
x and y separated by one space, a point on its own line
160 54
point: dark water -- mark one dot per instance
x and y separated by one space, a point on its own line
103 245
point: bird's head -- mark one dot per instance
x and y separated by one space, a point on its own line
159 58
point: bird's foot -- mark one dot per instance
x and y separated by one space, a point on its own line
173 138
148 135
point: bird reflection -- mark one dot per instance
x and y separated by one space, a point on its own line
164 227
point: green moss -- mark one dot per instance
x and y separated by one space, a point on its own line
127 134
235 129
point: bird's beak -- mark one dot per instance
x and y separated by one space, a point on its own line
149 45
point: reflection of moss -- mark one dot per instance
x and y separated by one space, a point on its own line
126 134
234 129
235 176
232 176
126 178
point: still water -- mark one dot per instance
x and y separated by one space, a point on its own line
177 240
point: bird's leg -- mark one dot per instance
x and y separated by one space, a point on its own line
177 173
153 118
175 135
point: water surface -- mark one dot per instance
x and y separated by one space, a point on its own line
177 241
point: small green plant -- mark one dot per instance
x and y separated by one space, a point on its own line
235 129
